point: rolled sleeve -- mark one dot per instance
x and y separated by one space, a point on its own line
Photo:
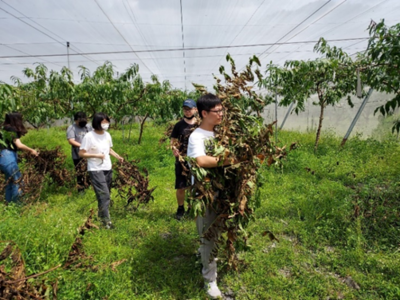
70 133
196 148
84 144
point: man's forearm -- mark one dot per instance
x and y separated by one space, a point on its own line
74 143
207 161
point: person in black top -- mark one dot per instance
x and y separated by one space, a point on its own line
179 141
13 129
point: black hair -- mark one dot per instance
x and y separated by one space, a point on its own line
97 118
14 120
207 102
79 115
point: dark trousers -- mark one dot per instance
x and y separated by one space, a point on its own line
101 182
81 177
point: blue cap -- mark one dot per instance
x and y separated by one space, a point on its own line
189 103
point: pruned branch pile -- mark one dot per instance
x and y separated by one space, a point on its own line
77 257
48 164
132 183
81 170
14 284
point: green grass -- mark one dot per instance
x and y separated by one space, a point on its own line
335 213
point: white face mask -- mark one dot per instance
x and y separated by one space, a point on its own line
105 126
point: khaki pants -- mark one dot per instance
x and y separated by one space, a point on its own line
209 270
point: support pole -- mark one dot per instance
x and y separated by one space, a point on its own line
68 54
287 114
71 103
353 123
276 115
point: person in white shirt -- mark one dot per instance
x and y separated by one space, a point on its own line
211 112
96 148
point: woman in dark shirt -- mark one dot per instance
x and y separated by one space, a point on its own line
13 129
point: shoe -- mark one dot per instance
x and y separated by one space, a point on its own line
212 289
180 213
109 225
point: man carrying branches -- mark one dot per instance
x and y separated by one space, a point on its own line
179 141
211 113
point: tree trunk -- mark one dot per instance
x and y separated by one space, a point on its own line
321 117
32 124
130 129
123 130
141 128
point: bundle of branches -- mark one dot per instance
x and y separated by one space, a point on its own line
81 170
48 164
13 284
167 133
52 163
77 257
30 184
183 149
132 183
246 142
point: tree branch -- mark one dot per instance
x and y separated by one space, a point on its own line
33 276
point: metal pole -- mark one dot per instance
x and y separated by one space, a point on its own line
353 123
68 54
287 114
276 115
71 103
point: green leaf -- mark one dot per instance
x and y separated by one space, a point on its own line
250 184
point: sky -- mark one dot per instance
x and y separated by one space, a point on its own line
183 41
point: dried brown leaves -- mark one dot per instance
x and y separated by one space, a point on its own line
132 183
77 257
51 163
167 133
81 170
243 139
48 166
115 264
13 284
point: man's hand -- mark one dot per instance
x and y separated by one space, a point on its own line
175 151
230 161
34 152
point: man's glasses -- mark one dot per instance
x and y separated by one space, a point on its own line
219 112
187 108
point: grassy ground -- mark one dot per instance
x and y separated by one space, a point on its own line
335 213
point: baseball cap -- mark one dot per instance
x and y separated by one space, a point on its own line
189 103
